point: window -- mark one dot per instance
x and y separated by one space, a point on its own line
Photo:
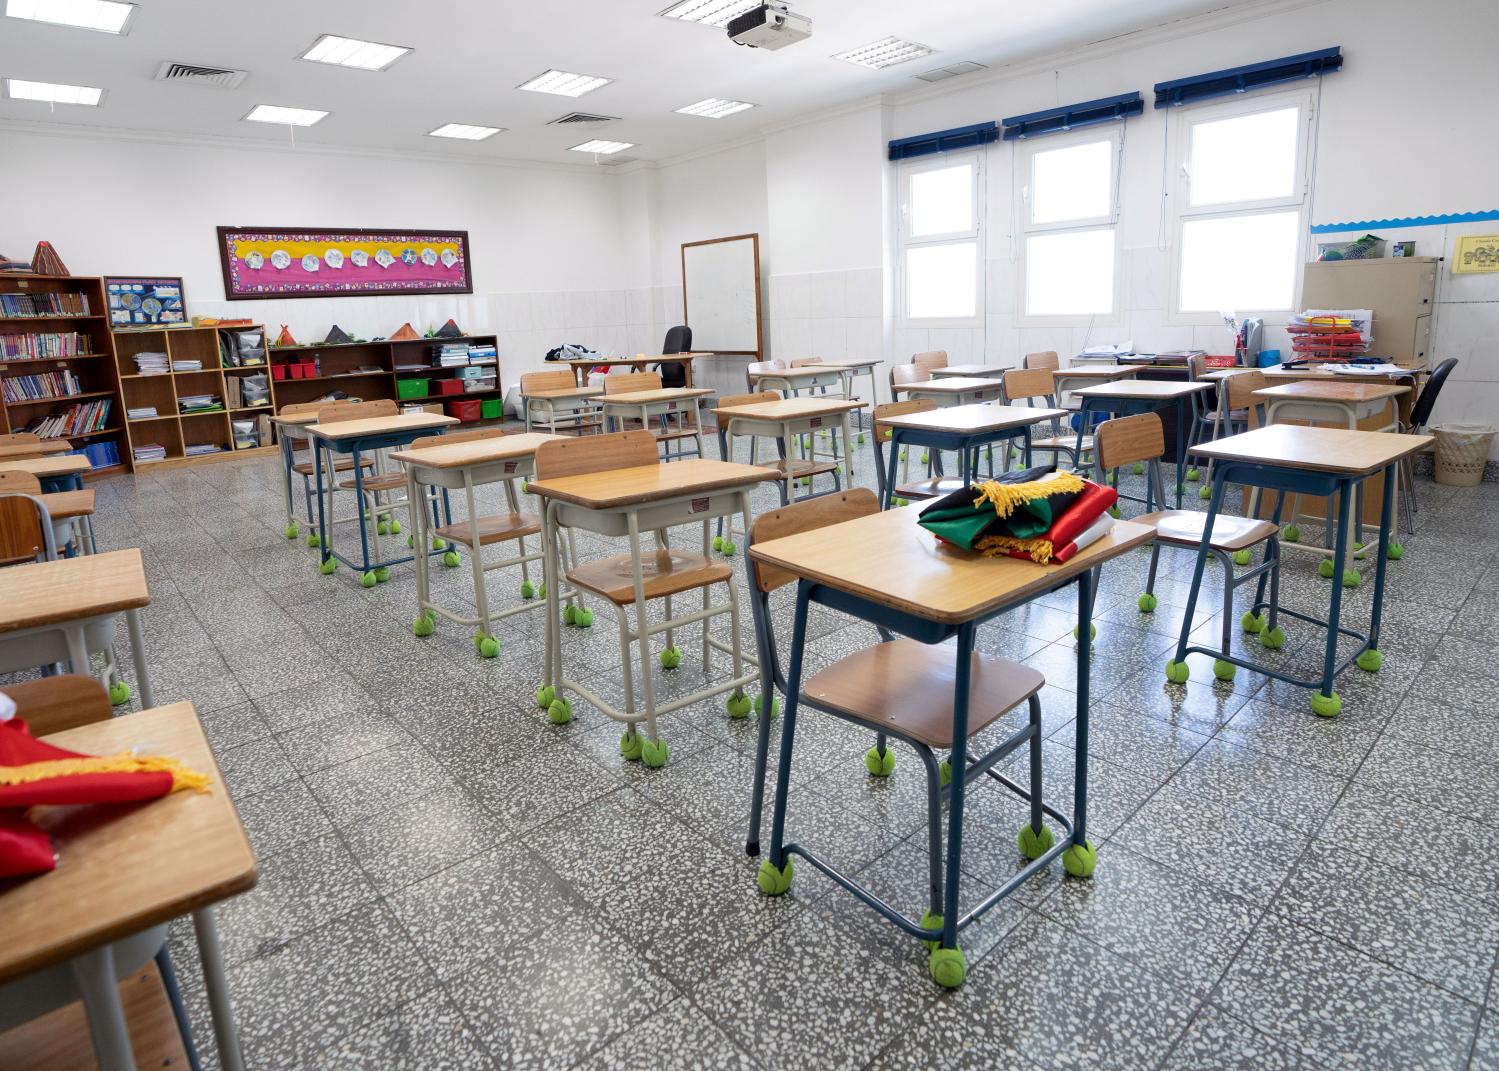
1240 196
939 230
1070 195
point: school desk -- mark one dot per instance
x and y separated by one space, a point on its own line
582 366
356 438
575 404
855 367
123 874
1087 375
662 402
783 421
626 503
73 509
823 378
885 569
971 371
464 466
1293 459
957 390
45 448
961 428
61 610
1122 397
55 472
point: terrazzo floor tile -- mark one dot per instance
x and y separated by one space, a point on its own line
947 1038
255 767
400 846
1486 1046
679 1037
428 1032
1218 1042
1277 791
380 781
1403 767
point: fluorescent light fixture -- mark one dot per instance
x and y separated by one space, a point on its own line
105 16
708 12
564 84
603 148
270 113
48 93
886 53
349 52
464 131
714 108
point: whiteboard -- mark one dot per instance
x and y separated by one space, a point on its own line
721 293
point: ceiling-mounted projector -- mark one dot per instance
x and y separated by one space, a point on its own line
769 26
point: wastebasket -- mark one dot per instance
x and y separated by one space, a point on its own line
1462 452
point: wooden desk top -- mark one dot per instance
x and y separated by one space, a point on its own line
65 505
983 371
806 371
56 465
976 418
617 488
1218 375
296 420
1333 390
45 593
123 869
1157 389
1103 372
1324 372
951 385
647 359
355 429
887 558
789 409
855 362
651 397
564 392
45 448
475 451
1335 450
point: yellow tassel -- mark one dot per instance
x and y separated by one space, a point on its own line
1006 497
182 776
1040 550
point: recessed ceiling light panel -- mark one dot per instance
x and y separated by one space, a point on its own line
51 93
105 16
564 84
270 113
349 52
464 132
603 148
715 108
886 53
708 12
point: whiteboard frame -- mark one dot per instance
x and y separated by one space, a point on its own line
754 239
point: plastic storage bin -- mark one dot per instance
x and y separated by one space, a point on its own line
492 408
448 386
412 388
467 411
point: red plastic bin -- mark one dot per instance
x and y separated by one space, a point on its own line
278 371
468 411
294 370
448 386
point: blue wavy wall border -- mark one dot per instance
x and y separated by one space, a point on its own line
1406 221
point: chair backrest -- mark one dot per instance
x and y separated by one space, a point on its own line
678 339
908 373
557 379
456 437
931 359
1021 383
596 453
804 517
1241 389
21 536
882 413
802 362
1197 366
627 382
1042 359
338 412
1421 411
757 397
760 368
65 701
20 438
1125 440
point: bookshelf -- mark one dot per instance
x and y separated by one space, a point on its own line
57 353
216 349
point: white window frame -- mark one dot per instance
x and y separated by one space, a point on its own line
1183 212
1025 168
905 172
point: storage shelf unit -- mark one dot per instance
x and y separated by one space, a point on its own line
175 431
97 377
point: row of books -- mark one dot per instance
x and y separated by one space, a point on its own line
42 385
55 304
44 344
80 419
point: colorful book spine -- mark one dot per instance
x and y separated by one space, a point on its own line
44 344
21 306
43 385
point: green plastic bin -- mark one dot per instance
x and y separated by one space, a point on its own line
493 409
412 388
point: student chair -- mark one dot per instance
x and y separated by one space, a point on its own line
902 374
1419 417
380 485
678 340
930 359
897 689
723 541
761 368
1238 410
1026 385
71 513
669 432
307 468
1199 428
932 486
20 438
1046 359
1126 440
558 416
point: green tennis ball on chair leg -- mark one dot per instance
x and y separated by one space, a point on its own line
424 625
559 712
450 559
738 706
1092 631
527 590
877 764
1147 603
1395 551
630 744
1241 557
671 657
395 527
327 567
119 692
1324 569
1370 661
1193 475
382 574
583 618
948 967
1138 469
1253 623
1205 492
367 580
312 539
1327 706
1034 844
1177 672
653 754
1224 670
1352 578
1080 860
569 615
773 880
1292 533
291 530
544 696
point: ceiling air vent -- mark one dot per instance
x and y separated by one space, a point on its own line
951 71
616 160
583 119
194 74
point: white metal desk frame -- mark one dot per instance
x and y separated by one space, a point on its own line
820 378
646 410
577 406
860 367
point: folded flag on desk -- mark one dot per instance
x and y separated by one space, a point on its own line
1037 515
34 773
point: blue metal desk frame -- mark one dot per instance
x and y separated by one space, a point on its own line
965 443
1131 406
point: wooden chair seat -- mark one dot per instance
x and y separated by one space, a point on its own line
494 529
1238 416
907 687
342 464
1183 528
387 481
796 468
674 433
1063 442
664 573
931 487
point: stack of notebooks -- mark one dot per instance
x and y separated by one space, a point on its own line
200 403
199 449
142 412
482 353
449 355
186 365
150 452
149 363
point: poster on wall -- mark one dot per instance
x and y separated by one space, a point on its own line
136 300
1475 253
287 262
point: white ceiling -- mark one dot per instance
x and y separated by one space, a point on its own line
470 54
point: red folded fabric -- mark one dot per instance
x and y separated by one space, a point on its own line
1053 544
24 849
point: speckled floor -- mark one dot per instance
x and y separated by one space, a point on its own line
447 881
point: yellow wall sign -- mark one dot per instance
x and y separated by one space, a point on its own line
1476 252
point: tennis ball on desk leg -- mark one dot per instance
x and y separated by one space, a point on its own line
1193 475
382 574
925 457
119 691
1324 569
544 696
1292 533
367 580
569 614
383 528
1204 492
583 618
1147 603
1395 551
395 527
450 559
291 530
718 543
423 626
327 567
671 657
312 539
527 590
1138 469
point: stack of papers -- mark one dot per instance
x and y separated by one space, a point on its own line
1384 368
199 403
150 452
150 364
185 365
199 449
144 412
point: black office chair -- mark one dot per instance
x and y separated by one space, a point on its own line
678 340
1420 415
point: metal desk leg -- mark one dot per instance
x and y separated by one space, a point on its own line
326 563
138 656
1181 450
778 864
1179 664
217 986
94 972
891 469
365 513
288 458
1080 859
1386 517
1334 613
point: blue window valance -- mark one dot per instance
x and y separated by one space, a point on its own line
1072 116
1243 79
960 137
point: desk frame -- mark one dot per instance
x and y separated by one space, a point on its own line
1129 407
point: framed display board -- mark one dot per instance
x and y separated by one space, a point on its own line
140 299
288 262
721 294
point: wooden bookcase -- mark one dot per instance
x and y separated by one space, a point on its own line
173 430
95 369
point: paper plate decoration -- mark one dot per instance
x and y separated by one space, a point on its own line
255 260
333 258
280 259
408 257
448 258
406 333
359 258
284 338
311 263
383 258
429 257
